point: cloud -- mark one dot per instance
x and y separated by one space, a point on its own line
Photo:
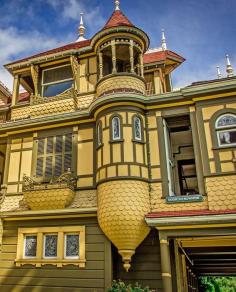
71 10
15 44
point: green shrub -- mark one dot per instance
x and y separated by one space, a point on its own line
119 286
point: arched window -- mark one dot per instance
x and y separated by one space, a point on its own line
99 134
226 130
137 128
116 131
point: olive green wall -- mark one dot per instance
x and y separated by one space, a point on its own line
94 277
145 266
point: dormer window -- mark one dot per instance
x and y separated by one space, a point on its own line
56 80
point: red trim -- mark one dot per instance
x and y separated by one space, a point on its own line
188 213
77 45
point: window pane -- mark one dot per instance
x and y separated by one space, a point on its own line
227 120
30 245
59 140
67 162
58 165
41 146
68 143
72 245
227 137
39 170
137 129
50 145
48 169
55 89
57 74
116 128
50 246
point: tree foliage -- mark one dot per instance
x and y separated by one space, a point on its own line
218 284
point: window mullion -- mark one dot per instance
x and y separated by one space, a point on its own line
63 154
44 156
54 156
39 251
60 245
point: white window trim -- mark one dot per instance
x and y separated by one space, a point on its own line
227 126
65 245
44 245
29 257
218 137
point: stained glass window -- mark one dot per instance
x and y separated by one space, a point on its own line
99 134
116 128
50 246
72 245
30 246
226 130
137 129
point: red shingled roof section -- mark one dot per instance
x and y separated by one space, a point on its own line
188 213
117 19
24 96
161 56
76 45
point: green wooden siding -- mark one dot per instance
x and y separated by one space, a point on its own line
50 278
145 266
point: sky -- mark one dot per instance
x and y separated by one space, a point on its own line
202 31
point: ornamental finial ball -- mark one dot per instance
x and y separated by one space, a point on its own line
117 5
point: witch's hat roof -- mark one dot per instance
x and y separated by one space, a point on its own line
117 19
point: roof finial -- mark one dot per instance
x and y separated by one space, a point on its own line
229 68
218 72
117 5
81 29
163 40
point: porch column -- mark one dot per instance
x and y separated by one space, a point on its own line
141 65
16 85
113 50
100 57
165 265
131 54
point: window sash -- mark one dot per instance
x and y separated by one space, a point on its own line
219 138
54 155
56 81
65 246
137 122
225 126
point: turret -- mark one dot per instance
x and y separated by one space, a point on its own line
122 173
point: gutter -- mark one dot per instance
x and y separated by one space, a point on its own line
190 220
40 214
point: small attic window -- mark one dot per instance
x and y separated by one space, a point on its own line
56 80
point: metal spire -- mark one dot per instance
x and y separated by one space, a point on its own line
81 29
163 40
117 5
229 68
218 72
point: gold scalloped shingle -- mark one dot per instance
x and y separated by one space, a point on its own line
122 206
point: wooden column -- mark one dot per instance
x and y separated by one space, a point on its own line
197 151
16 85
131 55
141 64
165 265
113 51
35 77
75 69
100 57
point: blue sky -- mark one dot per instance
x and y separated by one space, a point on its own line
202 31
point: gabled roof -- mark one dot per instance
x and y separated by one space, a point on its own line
117 19
76 45
160 56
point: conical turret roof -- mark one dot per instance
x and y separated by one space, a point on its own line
117 19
